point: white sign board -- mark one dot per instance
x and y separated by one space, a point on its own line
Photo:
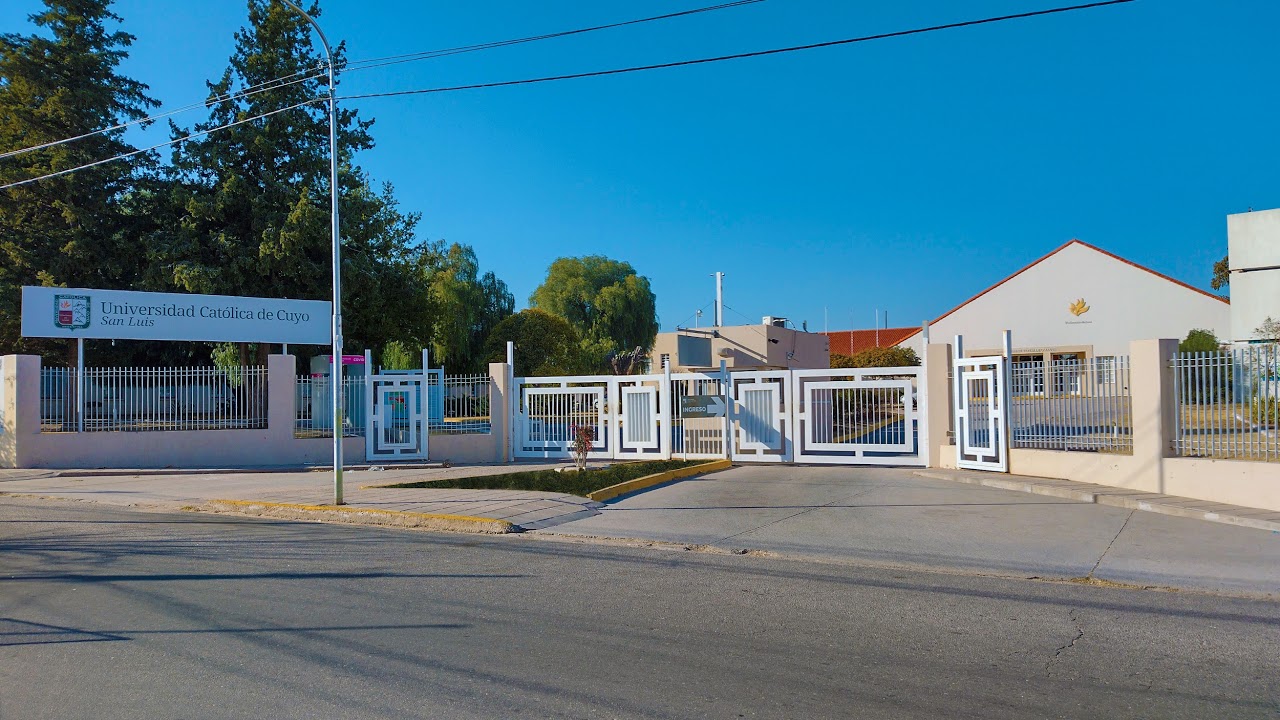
125 315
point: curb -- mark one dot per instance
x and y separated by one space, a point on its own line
648 481
364 516
1126 499
135 472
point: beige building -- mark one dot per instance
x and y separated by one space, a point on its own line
768 346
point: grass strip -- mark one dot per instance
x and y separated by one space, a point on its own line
571 483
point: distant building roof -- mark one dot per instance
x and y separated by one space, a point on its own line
849 342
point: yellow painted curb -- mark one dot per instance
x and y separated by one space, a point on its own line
649 481
372 516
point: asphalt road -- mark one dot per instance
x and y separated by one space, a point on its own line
115 613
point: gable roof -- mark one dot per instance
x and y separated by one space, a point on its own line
1057 250
849 342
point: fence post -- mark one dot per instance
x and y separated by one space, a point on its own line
1154 410
512 403
938 402
665 412
727 435
370 402
282 394
8 411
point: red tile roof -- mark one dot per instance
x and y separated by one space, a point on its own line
848 342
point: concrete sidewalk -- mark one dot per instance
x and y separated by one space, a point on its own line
526 510
1117 497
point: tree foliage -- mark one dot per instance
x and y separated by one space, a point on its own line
250 203
466 307
546 344
877 357
75 229
1268 330
1221 274
612 308
1200 340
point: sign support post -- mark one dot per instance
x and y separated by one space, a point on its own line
79 384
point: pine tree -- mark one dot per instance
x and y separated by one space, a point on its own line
252 201
75 229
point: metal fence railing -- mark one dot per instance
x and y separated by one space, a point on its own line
1229 403
459 405
152 399
1072 405
313 407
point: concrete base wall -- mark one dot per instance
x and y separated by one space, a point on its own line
465 448
1234 482
181 449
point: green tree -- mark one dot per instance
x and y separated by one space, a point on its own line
545 344
877 357
1221 274
397 356
1268 330
250 203
1200 340
466 307
72 230
611 307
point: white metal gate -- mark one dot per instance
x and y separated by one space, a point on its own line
698 437
858 416
760 415
396 426
982 428
626 414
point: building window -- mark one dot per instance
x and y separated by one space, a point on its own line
1106 365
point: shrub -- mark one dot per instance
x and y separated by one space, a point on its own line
877 357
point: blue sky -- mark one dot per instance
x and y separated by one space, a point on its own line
904 174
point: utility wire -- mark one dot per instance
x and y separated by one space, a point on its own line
429 54
273 84
739 56
157 146
368 64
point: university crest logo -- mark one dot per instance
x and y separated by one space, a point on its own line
71 312
1078 307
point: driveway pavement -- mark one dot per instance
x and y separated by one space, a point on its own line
890 516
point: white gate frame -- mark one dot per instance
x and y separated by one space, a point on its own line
624 404
994 455
414 383
778 385
810 449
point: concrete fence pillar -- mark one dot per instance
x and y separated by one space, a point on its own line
500 410
19 409
8 411
1154 410
282 371
937 360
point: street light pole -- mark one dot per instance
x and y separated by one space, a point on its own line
336 374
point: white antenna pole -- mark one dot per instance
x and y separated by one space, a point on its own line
719 299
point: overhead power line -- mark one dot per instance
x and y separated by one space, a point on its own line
157 146
740 56
261 87
368 64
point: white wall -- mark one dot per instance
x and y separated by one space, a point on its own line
1125 303
1253 240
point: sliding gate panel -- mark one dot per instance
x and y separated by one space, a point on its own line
623 412
760 415
865 416
701 435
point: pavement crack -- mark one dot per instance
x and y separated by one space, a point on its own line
1075 618
1123 525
